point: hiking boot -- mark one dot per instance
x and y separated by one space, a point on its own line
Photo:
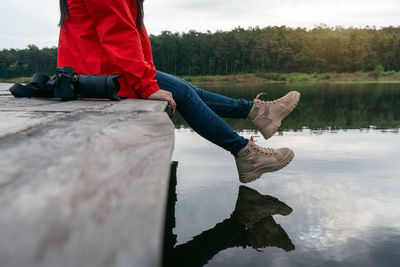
252 160
267 115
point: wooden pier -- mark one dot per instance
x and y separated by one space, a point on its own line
83 183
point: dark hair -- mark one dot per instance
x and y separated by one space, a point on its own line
139 18
64 12
140 14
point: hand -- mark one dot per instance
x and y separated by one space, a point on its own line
164 95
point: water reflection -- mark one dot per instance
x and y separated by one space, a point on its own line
250 225
343 184
322 106
254 211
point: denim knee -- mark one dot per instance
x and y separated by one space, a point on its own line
181 91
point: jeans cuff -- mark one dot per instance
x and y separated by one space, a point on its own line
239 146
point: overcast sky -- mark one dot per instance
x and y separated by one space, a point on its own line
24 22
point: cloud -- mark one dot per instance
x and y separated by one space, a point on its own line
182 15
24 22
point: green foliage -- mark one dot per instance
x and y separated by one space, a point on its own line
278 50
326 76
273 76
268 52
25 62
377 72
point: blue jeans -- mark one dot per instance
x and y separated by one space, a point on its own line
202 111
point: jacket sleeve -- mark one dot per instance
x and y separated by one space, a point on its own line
119 36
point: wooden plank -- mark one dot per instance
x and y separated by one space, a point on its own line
4 89
87 188
16 121
52 105
11 103
20 114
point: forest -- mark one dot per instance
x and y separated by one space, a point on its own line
254 50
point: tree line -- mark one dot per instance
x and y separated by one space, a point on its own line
24 62
253 50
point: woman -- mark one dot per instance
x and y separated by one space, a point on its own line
109 37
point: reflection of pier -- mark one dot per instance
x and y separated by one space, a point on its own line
82 183
250 225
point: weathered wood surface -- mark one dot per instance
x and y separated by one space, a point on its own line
83 183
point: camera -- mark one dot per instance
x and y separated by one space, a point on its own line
68 85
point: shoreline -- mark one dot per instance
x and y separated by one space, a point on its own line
274 77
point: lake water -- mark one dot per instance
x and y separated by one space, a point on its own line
336 204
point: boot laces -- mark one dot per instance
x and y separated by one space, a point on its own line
263 150
266 102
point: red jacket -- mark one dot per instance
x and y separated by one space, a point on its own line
101 37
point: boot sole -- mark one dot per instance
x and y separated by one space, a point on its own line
274 126
251 176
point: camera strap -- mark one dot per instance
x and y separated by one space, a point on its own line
37 87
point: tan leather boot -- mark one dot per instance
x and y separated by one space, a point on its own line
267 115
252 161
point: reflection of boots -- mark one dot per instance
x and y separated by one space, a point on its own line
252 160
253 211
198 251
267 115
252 207
267 233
